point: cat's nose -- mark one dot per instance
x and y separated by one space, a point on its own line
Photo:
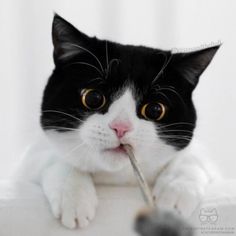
120 127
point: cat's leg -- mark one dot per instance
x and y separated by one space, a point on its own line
181 186
71 194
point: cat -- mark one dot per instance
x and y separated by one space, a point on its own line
102 95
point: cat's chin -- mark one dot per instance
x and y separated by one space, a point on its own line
115 159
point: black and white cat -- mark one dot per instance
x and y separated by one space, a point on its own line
102 95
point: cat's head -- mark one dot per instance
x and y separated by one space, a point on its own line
103 94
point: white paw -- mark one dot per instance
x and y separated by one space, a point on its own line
183 197
73 207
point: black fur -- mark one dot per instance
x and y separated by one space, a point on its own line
162 223
154 74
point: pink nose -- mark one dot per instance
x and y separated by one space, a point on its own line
120 127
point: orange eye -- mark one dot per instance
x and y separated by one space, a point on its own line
92 99
153 111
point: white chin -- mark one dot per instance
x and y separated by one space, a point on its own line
114 161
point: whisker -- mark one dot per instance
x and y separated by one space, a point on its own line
166 62
63 113
111 63
90 148
165 96
59 127
99 79
173 91
87 64
177 123
176 130
177 138
73 149
176 135
107 55
88 51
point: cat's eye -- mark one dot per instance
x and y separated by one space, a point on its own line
153 111
92 99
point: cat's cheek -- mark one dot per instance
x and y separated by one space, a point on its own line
96 134
63 142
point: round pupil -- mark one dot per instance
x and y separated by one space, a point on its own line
153 111
94 99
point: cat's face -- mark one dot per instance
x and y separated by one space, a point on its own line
103 94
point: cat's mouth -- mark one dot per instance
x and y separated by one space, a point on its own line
118 150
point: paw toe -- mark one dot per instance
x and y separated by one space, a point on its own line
68 221
83 222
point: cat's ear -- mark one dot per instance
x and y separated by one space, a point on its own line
192 64
67 40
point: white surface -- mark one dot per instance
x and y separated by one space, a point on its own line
24 211
26 60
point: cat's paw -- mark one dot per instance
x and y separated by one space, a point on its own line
73 207
181 196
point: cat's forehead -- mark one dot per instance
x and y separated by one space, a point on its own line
135 65
139 57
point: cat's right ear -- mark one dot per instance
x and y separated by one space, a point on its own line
67 40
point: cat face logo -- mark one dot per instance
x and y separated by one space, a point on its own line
208 215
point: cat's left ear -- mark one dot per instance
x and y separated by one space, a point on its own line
192 64
67 40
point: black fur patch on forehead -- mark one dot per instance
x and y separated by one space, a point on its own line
155 76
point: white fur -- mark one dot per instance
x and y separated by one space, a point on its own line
71 194
65 164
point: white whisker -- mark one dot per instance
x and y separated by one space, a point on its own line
107 55
176 137
63 113
177 123
164 95
73 150
111 63
174 91
87 64
88 51
166 62
176 130
59 127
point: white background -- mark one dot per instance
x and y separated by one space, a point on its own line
26 60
